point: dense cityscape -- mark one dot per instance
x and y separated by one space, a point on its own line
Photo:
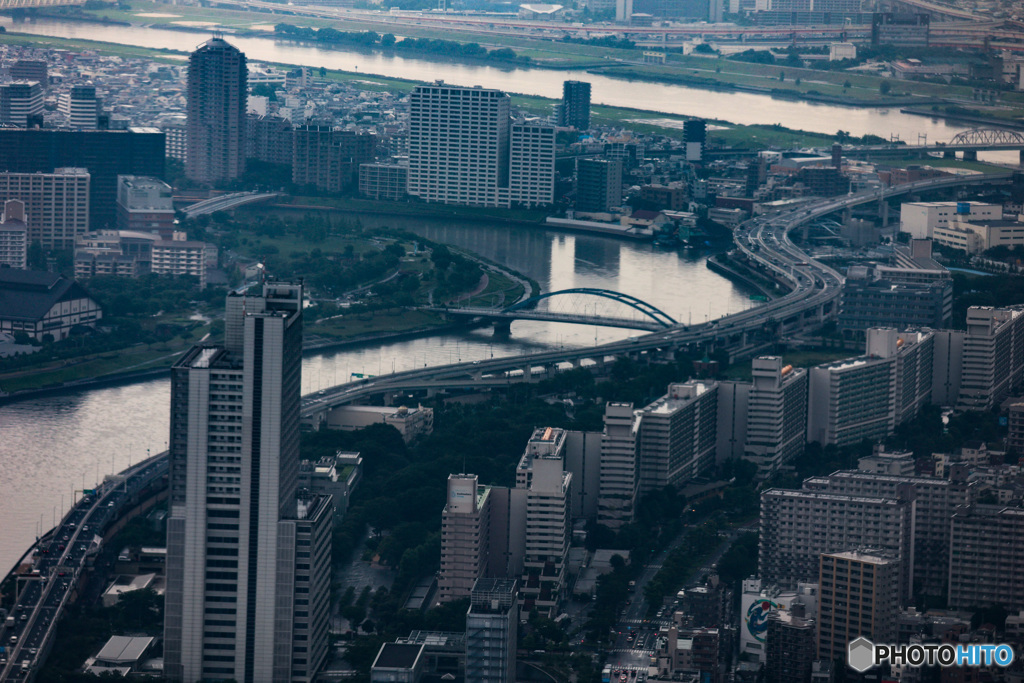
618 341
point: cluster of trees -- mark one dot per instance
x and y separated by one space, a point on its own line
371 39
606 41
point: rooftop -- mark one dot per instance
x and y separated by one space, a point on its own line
397 656
123 649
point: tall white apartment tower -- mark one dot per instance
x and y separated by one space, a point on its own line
459 145
677 435
248 554
776 414
82 107
541 471
531 178
616 496
465 536
993 356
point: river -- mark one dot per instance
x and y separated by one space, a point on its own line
742 108
50 447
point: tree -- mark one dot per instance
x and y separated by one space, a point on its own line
847 84
36 256
884 87
782 75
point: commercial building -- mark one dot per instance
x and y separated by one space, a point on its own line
13 235
459 145
974 236
598 184
531 179
993 357
82 107
986 564
248 553
329 158
492 625
411 423
791 647
29 70
335 475
920 219
217 91
541 472
21 103
575 111
145 204
868 303
860 596
866 397
798 526
105 154
676 435
689 651
56 204
384 180
935 501
619 480
398 663
129 253
465 537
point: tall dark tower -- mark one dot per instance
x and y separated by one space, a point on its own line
575 105
217 100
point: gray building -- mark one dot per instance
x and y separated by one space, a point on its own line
248 555
618 477
676 435
986 565
575 111
217 101
492 624
868 303
598 184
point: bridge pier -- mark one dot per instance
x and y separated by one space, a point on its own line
970 155
949 154
502 327
1020 157
883 212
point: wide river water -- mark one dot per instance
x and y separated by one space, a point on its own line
743 108
50 447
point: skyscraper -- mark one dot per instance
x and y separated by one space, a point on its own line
617 494
860 596
247 553
459 145
82 107
598 184
492 623
575 110
21 103
217 92
465 535
531 180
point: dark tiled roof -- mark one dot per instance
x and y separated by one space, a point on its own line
29 294
397 656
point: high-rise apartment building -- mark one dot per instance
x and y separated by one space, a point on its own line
106 154
248 554
695 135
676 435
30 70
459 145
531 178
328 158
217 91
798 526
776 411
617 494
993 357
56 204
790 647
384 180
542 473
465 537
13 235
270 139
575 111
21 103
860 596
598 184
986 566
82 107
866 397
935 500
492 629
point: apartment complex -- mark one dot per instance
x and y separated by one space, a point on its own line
531 179
248 553
492 624
619 481
82 107
459 145
993 357
790 647
465 537
866 397
105 154
56 204
384 180
329 158
270 139
986 565
217 91
13 235
128 253
798 526
542 474
860 596
575 110
598 184
676 436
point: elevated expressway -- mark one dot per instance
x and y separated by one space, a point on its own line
763 240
